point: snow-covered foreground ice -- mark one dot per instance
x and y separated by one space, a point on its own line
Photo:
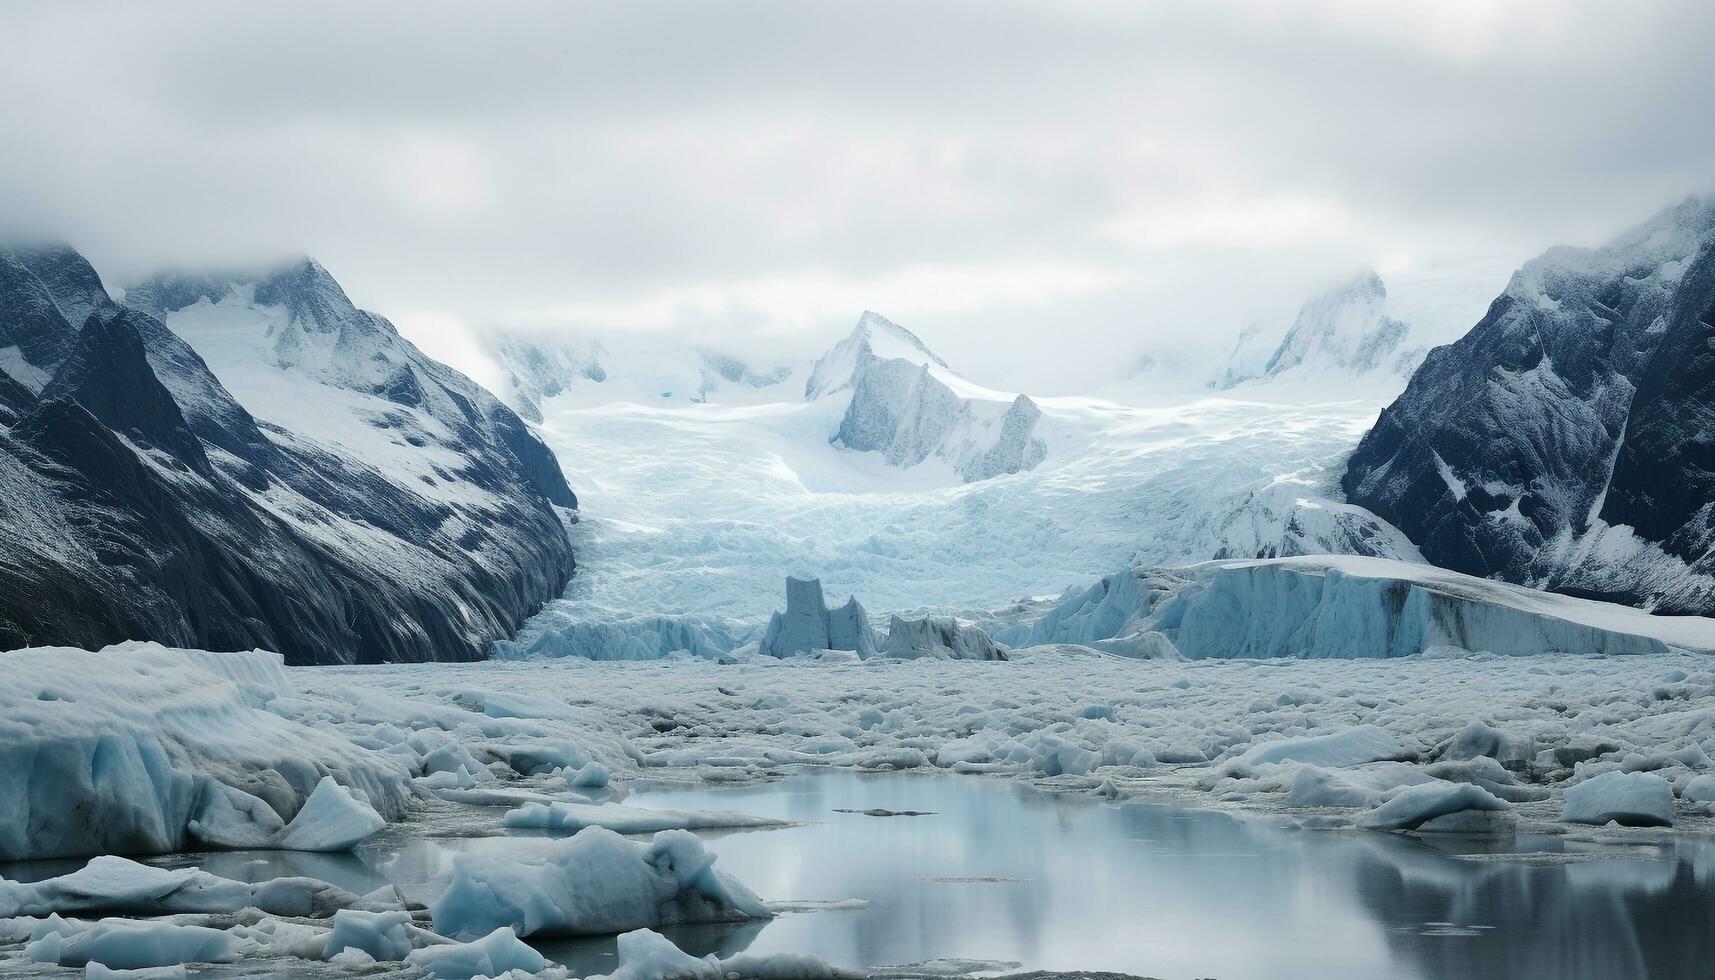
1523 751
696 512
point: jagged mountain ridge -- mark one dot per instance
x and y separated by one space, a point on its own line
1563 442
145 501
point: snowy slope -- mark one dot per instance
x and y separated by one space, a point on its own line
1563 442
332 495
584 369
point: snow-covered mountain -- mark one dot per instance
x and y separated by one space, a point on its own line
1344 332
1564 442
538 367
908 405
886 392
279 470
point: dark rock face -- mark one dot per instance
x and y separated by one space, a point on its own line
142 500
1565 442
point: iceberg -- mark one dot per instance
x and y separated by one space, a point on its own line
942 638
595 882
808 624
1346 606
1412 807
150 749
1638 799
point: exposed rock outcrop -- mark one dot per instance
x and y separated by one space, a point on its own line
1564 441
385 509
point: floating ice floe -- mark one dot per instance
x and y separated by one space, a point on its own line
131 944
1347 747
494 955
595 882
1415 807
1630 798
110 884
573 817
647 955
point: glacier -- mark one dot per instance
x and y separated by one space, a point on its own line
701 508
1341 607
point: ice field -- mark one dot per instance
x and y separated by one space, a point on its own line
698 511
1578 778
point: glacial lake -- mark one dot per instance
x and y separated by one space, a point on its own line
1009 879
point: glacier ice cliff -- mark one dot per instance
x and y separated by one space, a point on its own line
1340 607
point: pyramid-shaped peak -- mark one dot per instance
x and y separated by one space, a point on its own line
874 338
888 339
303 282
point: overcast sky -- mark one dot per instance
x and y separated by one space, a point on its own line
1042 191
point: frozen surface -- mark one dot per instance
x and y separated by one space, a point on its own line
1229 732
1466 747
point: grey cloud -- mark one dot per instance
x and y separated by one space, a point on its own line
725 162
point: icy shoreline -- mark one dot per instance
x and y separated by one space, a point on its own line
1471 744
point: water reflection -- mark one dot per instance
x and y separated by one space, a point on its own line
1000 872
